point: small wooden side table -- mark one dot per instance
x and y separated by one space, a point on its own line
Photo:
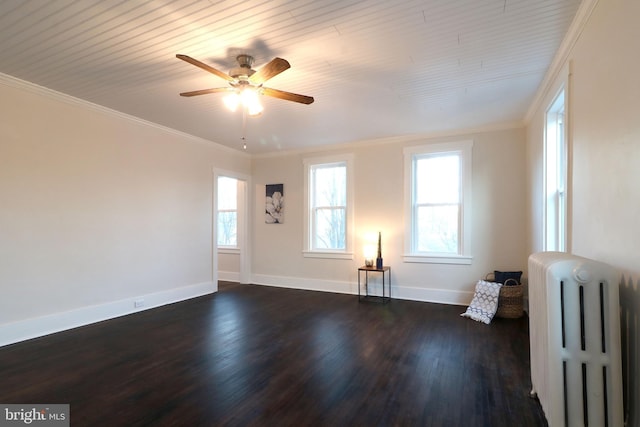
386 284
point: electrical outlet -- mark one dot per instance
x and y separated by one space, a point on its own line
138 303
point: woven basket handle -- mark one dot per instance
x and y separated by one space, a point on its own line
515 282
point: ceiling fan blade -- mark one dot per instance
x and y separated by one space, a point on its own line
287 96
205 67
271 69
206 91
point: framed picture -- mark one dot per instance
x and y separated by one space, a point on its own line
274 204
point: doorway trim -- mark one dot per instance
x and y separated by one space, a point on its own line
244 224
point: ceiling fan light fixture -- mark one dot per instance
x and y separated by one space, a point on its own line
232 101
255 109
251 101
247 98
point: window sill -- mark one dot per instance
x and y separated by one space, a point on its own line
230 251
438 259
327 255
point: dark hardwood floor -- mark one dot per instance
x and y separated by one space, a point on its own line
260 356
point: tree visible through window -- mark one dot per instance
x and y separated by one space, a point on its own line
328 186
328 206
227 211
438 203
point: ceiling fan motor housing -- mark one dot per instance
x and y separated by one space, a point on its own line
244 71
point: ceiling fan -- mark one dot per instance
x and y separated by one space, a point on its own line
245 83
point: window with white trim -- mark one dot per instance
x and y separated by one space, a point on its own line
438 203
328 207
555 165
227 212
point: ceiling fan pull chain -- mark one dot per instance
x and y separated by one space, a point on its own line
244 127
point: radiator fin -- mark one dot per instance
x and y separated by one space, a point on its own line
585 396
562 313
603 341
566 392
583 338
605 398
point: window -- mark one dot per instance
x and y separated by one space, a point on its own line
227 212
555 165
438 203
328 207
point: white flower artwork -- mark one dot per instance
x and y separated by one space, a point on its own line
274 208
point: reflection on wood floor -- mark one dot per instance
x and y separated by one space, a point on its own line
256 355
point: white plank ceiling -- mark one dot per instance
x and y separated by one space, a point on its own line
376 69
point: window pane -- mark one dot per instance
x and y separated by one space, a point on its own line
555 176
437 229
329 229
227 193
437 190
227 226
330 185
438 179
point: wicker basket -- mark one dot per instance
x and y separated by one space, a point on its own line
510 302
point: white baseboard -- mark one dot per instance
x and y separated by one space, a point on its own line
335 286
441 296
40 326
229 276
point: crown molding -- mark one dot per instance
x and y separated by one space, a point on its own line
399 139
17 83
562 54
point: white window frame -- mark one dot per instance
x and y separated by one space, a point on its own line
308 251
556 174
229 249
464 150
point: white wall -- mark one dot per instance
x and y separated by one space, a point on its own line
498 219
229 266
98 209
605 125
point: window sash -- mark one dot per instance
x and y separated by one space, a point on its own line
423 179
227 212
436 242
334 238
320 239
331 235
431 239
228 228
555 176
339 196
448 240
